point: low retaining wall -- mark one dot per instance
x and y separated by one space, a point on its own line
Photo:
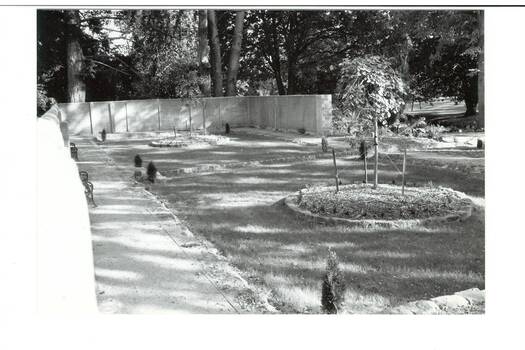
66 281
312 113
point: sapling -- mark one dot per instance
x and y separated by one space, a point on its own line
138 161
151 172
333 287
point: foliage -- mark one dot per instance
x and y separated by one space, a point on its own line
151 172
138 161
136 53
333 287
369 88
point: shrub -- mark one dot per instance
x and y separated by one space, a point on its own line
324 144
151 172
333 287
138 161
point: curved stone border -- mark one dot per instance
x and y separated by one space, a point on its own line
457 303
290 202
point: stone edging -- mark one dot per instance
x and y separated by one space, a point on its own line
290 202
457 303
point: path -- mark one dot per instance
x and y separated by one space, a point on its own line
146 261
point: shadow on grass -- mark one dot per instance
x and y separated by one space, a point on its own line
237 211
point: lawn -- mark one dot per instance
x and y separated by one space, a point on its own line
240 211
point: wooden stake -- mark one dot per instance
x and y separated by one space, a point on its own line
403 179
127 126
336 174
376 163
158 113
90 119
204 117
190 119
366 167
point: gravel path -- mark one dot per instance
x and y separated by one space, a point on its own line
146 260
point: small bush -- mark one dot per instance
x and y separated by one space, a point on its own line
138 161
151 172
333 287
324 144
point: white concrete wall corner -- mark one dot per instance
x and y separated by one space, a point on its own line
65 272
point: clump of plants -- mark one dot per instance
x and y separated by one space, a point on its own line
333 287
151 172
138 161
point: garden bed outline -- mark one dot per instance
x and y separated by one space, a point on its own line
290 202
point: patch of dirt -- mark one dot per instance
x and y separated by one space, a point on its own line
384 203
186 140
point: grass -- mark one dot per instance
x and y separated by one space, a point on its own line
241 213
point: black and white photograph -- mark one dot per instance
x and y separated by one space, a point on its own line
322 162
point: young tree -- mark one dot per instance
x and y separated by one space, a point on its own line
371 89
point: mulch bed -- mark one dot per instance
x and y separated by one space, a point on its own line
362 202
184 141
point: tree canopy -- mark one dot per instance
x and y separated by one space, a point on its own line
125 54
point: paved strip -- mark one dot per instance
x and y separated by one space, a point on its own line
141 265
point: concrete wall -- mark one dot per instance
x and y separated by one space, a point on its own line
291 112
66 279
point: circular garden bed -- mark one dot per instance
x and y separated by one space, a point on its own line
186 140
385 206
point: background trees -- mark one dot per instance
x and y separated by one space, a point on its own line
124 54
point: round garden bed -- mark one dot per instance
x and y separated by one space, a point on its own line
361 205
186 140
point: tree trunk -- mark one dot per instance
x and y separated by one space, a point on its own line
470 90
203 53
292 57
481 74
292 73
76 88
233 66
215 54
276 59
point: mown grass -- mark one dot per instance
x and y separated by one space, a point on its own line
241 213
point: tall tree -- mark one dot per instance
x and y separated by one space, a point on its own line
76 86
235 52
203 52
215 54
